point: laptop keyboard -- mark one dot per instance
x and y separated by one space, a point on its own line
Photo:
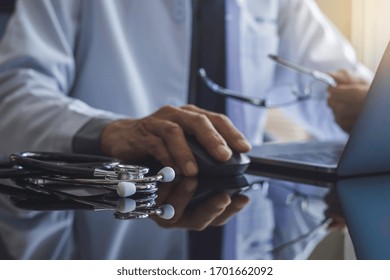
330 157
315 153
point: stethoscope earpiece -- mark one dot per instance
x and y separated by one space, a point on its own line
167 211
126 189
167 173
125 205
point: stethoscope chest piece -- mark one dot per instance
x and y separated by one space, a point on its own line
128 172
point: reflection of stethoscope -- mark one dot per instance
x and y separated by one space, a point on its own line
53 198
46 172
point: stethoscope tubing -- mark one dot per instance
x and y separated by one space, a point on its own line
82 169
137 181
79 165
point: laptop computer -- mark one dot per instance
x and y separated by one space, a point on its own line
366 209
366 151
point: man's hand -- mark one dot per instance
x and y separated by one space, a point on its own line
347 98
162 136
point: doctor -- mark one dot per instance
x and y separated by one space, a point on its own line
113 77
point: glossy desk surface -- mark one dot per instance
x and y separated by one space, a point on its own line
291 219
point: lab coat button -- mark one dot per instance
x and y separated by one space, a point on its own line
178 11
254 244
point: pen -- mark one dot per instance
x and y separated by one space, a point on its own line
318 75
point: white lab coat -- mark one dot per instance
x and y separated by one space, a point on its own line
128 58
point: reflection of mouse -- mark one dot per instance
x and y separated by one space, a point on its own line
237 164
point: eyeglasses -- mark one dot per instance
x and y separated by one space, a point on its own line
280 95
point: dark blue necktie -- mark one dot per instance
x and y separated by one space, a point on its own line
208 51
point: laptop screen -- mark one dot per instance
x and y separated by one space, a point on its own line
365 202
367 150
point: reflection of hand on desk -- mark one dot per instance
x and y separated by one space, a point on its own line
215 210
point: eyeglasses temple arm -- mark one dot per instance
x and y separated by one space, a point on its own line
318 75
228 93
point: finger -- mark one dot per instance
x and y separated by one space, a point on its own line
164 196
164 191
344 76
157 148
341 76
233 137
332 103
338 107
174 146
238 202
345 92
200 126
181 196
201 217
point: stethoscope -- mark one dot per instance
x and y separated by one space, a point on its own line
44 171
125 208
81 169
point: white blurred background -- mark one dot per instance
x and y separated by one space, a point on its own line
366 23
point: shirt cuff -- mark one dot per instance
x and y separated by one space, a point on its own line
87 138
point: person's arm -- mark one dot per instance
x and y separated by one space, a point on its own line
87 139
37 70
308 38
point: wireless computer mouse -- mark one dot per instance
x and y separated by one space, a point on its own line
237 164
